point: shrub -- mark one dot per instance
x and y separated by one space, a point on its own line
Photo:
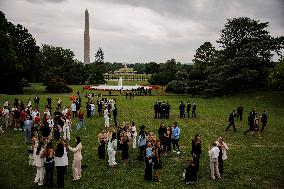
58 85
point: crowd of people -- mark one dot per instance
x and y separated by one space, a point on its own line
44 130
254 120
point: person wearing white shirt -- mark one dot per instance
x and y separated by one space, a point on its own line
92 108
6 103
76 165
39 163
213 155
134 135
106 117
60 163
66 130
112 146
5 115
74 109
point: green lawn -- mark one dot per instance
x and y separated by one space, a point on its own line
252 162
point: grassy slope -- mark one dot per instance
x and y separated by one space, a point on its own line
251 162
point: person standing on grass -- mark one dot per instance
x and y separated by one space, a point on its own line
157 161
134 135
213 155
59 103
60 164
36 100
124 148
188 106
232 121
149 162
175 137
102 138
256 126
196 150
167 140
49 100
240 112
106 117
27 129
223 148
263 120
250 123
81 119
193 113
49 164
92 108
76 165
114 113
181 110
39 163
190 175
142 142
74 109
6 115
112 147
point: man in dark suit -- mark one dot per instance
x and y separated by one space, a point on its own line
36 100
188 106
232 121
240 112
181 110
114 113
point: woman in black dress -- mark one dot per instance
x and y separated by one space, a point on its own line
196 150
102 142
124 148
190 173
157 161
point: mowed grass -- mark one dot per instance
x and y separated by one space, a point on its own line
252 162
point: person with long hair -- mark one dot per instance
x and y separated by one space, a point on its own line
49 164
39 163
142 142
81 119
60 164
102 137
149 162
112 146
157 161
256 127
190 175
196 150
76 166
167 137
223 148
124 148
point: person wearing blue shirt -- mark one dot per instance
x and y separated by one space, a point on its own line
175 137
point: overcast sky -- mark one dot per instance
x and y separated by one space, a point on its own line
138 30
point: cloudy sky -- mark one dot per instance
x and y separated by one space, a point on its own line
138 30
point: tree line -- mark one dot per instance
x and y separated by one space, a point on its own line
244 61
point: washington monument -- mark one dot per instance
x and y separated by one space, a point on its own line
86 39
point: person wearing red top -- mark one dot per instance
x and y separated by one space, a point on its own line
81 119
23 116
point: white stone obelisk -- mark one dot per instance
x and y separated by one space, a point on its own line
86 39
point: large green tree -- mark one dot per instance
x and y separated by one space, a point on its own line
276 76
242 63
56 62
17 56
246 56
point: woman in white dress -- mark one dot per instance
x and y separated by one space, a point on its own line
106 117
134 135
39 163
112 146
76 166
66 130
